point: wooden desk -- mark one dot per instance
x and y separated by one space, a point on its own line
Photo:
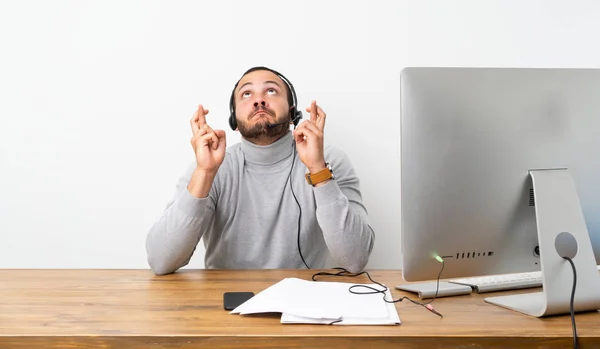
135 309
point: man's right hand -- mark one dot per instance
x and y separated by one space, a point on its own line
209 146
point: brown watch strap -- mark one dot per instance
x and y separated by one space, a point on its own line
320 176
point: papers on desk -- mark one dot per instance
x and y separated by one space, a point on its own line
322 302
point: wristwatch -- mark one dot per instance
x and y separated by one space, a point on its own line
321 176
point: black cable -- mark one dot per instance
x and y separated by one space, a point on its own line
297 203
372 290
572 302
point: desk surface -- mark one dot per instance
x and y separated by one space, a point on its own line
135 309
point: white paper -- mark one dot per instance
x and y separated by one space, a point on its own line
321 302
391 319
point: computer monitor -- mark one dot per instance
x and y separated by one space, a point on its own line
496 163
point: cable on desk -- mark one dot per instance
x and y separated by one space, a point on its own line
373 290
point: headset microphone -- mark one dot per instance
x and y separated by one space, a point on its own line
296 117
277 124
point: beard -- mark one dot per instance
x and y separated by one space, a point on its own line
260 132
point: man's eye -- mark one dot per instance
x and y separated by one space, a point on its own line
271 91
245 94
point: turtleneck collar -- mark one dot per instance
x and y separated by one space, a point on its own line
268 154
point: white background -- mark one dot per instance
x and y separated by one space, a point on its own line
96 96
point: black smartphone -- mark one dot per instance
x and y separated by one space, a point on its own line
232 300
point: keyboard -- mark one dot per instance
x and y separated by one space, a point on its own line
503 282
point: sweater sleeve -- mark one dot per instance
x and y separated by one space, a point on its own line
342 215
172 240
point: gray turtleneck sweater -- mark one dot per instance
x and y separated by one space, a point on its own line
250 217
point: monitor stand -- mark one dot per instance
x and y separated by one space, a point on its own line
562 231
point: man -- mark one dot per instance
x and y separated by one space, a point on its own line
278 199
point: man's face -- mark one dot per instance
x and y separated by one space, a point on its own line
261 99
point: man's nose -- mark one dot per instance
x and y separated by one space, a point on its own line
262 102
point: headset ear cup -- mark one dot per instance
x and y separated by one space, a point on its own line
232 122
297 117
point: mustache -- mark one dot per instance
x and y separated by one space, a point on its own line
262 108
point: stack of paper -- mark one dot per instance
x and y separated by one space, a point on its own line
320 302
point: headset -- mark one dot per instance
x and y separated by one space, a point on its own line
295 114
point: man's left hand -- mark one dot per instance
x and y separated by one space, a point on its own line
309 139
